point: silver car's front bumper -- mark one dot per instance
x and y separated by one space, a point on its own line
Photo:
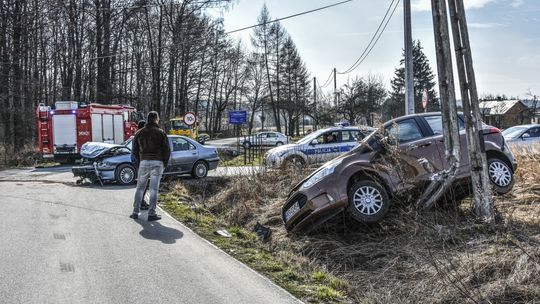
88 171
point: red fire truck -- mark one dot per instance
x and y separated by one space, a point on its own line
64 128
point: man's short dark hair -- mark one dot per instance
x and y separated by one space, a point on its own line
141 124
153 116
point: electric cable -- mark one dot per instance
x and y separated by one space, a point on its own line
375 38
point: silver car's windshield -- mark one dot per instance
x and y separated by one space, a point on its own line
514 132
128 143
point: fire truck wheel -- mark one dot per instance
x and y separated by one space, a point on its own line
200 169
125 174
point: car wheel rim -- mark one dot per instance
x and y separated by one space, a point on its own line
201 170
126 175
279 144
368 200
500 174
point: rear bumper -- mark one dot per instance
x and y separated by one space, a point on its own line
212 163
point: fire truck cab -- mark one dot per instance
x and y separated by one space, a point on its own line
65 127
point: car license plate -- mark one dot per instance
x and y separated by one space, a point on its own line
292 211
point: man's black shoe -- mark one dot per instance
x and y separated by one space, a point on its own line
155 217
145 206
134 216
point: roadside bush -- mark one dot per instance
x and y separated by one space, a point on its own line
21 157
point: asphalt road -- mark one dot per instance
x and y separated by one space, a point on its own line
63 243
224 142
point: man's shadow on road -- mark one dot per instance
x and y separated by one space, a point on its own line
155 231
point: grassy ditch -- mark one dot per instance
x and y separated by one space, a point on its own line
188 202
442 255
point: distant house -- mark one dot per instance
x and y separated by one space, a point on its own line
534 107
505 113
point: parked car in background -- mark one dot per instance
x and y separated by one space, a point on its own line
402 161
317 147
265 139
110 162
524 138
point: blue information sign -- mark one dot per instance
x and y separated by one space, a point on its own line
237 117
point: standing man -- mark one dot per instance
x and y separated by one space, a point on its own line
140 125
152 152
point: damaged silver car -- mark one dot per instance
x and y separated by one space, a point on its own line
102 162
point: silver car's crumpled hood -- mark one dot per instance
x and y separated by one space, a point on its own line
95 149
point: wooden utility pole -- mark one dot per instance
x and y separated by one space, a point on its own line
441 181
473 122
409 75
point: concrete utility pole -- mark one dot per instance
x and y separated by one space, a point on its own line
409 75
335 88
315 103
471 110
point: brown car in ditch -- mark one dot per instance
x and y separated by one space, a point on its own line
365 181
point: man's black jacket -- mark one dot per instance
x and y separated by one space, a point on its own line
151 143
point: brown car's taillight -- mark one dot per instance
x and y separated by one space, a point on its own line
492 130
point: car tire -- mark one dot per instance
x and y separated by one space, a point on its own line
125 174
279 143
246 145
200 170
294 162
500 176
368 202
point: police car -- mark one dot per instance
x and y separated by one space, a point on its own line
317 147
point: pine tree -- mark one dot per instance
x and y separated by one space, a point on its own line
424 77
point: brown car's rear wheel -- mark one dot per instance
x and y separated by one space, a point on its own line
368 201
500 175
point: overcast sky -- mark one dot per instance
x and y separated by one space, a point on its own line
505 38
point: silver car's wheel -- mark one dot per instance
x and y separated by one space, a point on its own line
125 174
368 201
200 170
500 175
279 144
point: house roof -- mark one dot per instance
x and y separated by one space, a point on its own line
531 103
497 107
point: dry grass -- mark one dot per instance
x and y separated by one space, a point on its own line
437 256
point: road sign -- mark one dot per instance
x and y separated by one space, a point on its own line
237 117
190 118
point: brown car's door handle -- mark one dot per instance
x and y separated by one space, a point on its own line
414 147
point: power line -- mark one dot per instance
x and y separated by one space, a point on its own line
376 36
234 31
328 81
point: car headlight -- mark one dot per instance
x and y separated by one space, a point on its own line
324 172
